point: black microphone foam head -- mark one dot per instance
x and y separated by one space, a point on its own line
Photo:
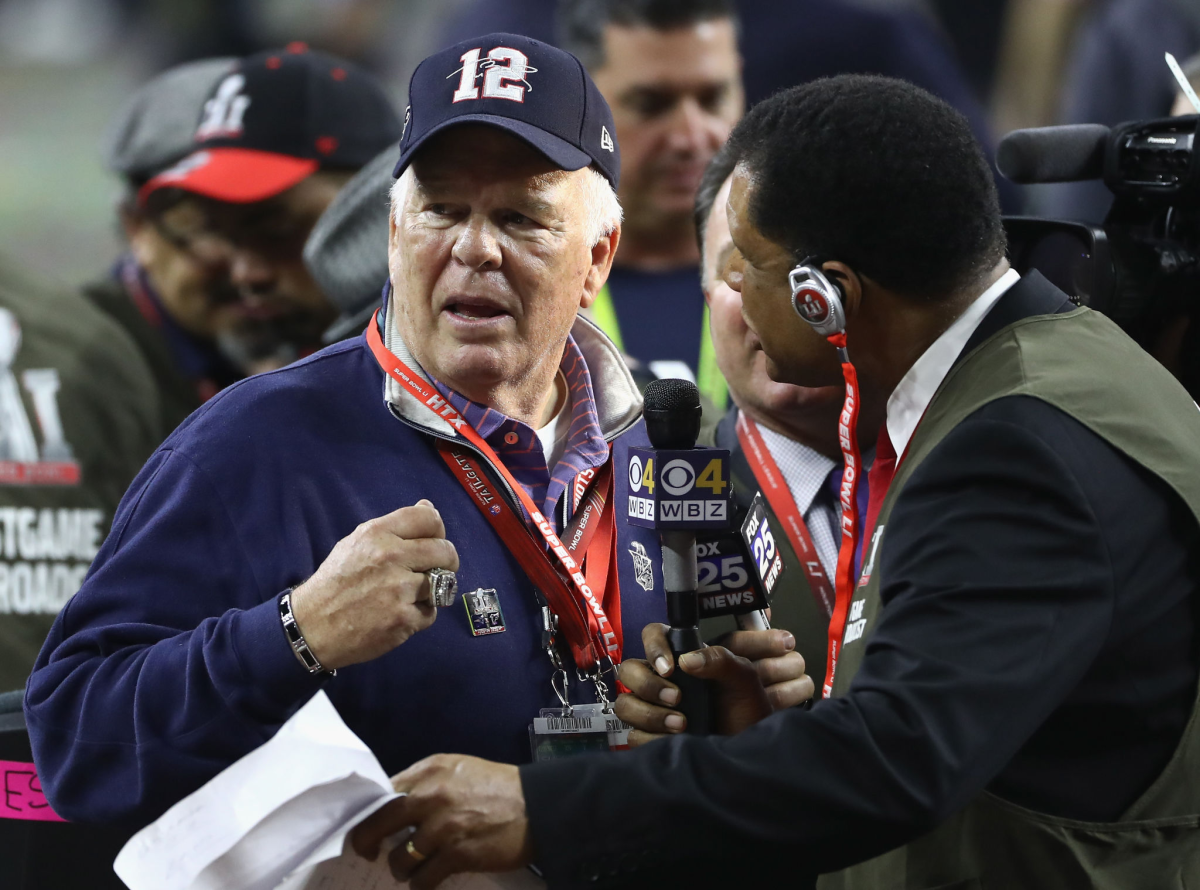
672 412
1068 153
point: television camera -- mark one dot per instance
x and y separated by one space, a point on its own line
1142 267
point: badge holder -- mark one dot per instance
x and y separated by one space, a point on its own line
573 729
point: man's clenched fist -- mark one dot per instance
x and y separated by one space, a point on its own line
371 594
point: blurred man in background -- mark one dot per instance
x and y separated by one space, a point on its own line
171 303
1117 73
215 286
672 75
277 139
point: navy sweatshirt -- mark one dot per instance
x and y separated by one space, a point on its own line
171 662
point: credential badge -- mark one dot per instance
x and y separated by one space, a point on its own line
642 567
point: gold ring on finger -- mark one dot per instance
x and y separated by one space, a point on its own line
414 852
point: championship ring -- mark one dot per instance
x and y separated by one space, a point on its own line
443 587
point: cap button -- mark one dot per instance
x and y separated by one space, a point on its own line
297 46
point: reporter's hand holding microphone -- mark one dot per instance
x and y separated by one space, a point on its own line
723 688
753 672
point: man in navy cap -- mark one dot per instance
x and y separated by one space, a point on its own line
300 531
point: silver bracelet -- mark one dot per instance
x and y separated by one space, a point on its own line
299 647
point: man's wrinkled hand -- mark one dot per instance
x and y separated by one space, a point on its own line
371 594
755 672
468 815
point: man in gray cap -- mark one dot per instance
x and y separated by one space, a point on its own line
171 304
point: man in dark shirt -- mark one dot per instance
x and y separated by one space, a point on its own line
671 73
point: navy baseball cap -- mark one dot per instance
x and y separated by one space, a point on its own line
539 93
277 118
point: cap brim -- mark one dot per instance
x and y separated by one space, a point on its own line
235 175
558 151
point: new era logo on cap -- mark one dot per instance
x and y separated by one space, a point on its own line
535 91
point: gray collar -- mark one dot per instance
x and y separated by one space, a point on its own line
618 401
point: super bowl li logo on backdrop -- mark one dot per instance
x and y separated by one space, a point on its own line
44 553
22 462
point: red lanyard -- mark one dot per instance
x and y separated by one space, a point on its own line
779 496
852 462
583 616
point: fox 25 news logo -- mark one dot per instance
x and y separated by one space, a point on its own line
686 489
738 568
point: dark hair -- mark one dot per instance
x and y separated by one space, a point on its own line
581 22
718 170
877 174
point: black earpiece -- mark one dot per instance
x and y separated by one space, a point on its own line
817 298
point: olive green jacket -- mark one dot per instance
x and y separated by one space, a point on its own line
1065 360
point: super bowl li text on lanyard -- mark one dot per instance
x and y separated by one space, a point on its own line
680 489
818 300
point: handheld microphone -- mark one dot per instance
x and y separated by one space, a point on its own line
678 489
1053 154
739 568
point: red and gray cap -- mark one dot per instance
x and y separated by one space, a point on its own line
535 91
277 118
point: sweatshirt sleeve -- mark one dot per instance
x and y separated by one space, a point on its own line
170 662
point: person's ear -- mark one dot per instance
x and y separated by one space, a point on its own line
131 219
145 243
850 284
602 259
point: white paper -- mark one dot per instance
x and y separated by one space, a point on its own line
278 819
